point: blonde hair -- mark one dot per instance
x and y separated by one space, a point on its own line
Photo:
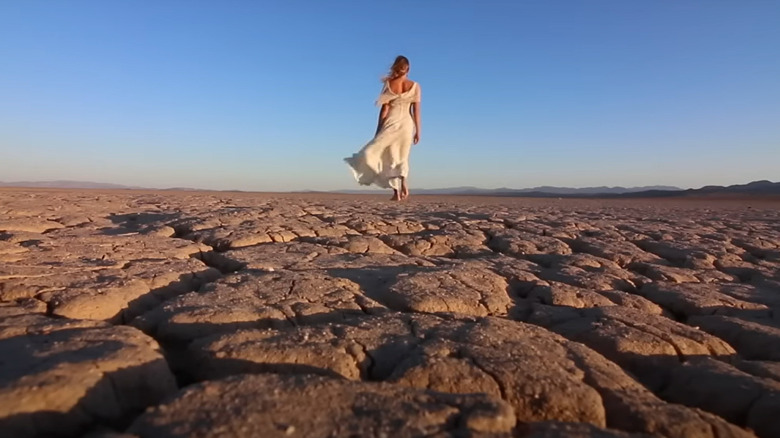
399 63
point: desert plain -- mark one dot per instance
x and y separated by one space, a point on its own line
228 314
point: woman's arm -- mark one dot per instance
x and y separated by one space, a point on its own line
416 111
382 116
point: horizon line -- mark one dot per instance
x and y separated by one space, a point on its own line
115 186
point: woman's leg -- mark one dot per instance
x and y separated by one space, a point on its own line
396 196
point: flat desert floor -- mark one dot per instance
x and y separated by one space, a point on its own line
220 314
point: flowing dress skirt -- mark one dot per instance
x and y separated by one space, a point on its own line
384 160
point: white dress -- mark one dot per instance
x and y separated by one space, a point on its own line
385 159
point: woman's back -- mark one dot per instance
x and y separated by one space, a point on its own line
400 94
400 85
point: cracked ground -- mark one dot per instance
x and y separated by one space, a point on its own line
211 314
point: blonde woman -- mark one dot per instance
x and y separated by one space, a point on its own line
384 161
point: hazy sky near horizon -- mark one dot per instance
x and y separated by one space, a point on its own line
271 95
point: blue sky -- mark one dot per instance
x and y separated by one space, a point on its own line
271 95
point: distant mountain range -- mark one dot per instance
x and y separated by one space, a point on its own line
550 190
754 188
83 185
65 185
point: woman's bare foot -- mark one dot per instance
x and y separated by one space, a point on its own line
404 190
396 196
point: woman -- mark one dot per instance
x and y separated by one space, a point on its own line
384 161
